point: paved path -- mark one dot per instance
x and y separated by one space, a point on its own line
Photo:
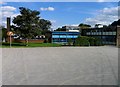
60 66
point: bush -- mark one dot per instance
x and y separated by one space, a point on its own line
82 41
70 41
98 42
87 41
91 41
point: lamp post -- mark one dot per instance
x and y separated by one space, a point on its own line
10 33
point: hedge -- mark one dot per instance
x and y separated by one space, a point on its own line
82 41
87 41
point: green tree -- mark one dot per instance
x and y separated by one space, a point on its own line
97 25
48 36
87 41
3 33
84 26
98 42
82 41
91 41
60 29
115 23
70 41
29 24
44 25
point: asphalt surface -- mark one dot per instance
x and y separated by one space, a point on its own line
60 66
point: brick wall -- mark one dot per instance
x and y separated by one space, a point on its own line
8 39
31 41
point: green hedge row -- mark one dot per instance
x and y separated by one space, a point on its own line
87 41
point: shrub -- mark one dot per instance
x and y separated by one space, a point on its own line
98 42
91 41
82 41
87 41
70 41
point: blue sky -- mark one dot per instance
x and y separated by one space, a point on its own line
67 13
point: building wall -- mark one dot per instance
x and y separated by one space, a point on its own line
62 37
23 40
118 36
71 28
107 36
30 40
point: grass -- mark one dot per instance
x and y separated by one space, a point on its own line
7 45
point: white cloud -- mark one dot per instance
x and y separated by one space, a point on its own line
71 24
110 11
53 21
47 9
2 2
105 16
7 8
101 0
74 24
7 11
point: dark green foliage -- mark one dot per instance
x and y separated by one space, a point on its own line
98 42
48 36
82 41
29 24
96 25
44 25
61 29
4 33
95 41
84 26
70 41
115 23
87 41
91 41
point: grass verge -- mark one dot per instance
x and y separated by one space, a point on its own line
7 45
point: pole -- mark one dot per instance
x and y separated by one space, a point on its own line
10 41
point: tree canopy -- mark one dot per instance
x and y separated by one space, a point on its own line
60 29
115 23
3 32
84 26
28 23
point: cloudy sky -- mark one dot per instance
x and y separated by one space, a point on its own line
66 13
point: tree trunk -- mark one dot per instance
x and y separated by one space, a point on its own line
26 41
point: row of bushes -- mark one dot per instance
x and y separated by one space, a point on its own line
85 41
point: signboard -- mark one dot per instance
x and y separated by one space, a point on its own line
9 33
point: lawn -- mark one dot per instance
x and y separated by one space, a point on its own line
7 45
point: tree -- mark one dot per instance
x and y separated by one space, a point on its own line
3 33
29 24
87 41
82 41
44 25
60 29
84 26
97 25
70 41
115 23
48 36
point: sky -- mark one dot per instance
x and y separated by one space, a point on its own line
66 13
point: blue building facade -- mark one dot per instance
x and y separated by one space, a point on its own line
64 36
